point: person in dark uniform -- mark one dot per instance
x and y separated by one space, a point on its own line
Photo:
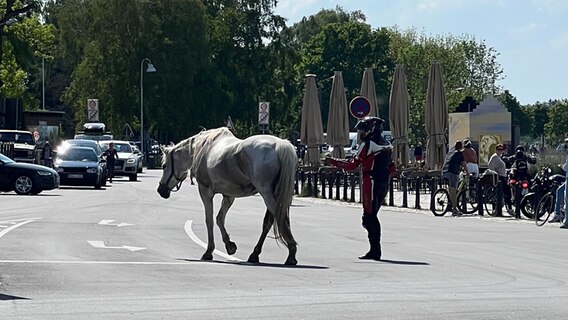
111 155
375 157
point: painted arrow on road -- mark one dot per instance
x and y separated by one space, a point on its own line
102 245
110 223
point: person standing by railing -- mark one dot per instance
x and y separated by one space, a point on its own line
453 165
470 158
497 164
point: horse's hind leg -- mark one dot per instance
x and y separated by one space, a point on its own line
266 224
283 228
225 205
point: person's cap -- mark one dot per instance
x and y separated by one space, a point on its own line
565 140
466 142
500 147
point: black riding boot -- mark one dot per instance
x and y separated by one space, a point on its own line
371 223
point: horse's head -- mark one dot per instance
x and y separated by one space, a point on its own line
176 161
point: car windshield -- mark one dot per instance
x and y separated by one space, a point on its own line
79 155
17 137
5 159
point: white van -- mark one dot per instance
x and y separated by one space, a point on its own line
351 149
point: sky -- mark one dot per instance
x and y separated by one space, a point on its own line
531 36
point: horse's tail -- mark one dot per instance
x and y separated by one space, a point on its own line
284 191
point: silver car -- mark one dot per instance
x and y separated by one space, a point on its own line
127 163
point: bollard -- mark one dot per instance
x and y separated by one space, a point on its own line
322 178
316 185
331 180
404 192
352 199
417 198
302 179
479 199
344 186
517 201
337 185
296 182
499 201
391 192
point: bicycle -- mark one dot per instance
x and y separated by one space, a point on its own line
546 204
466 193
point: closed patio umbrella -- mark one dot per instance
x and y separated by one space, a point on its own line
337 120
311 131
436 119
398 116
369 91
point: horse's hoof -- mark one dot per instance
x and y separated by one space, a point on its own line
291 262
253 259
231 247
207 256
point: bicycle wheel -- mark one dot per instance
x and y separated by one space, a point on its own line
440 202
467 201
490 201
544 209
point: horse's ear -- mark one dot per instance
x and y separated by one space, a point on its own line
203 128
172 144
163 149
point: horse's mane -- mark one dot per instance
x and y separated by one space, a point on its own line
203 140
200 142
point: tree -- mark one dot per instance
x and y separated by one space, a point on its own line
556 130
24 40
349 47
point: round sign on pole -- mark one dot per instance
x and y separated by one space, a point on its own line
360 107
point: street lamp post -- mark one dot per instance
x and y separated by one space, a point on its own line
150 68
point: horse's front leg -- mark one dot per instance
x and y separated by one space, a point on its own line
225 205
207 199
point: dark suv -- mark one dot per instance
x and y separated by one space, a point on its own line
24 144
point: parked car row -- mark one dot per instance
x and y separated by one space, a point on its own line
77 162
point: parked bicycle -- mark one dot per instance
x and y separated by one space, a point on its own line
547 203
466 194
541 184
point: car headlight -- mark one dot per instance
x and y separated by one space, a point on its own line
91 170
43 173
130 160
58 169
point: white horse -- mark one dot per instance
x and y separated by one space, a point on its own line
222 163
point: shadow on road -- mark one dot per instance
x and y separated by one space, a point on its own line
410 263
260 264
9 297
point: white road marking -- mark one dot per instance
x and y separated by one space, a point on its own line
110 223
192 236
151 263
16 225
102 245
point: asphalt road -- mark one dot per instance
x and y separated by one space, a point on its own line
125 253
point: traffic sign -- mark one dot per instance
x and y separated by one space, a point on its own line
360 107
93 110
263 118
263 112
264 107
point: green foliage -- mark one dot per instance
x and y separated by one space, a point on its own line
221 58
556 130
23 45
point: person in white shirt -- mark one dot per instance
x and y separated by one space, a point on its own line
497 164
